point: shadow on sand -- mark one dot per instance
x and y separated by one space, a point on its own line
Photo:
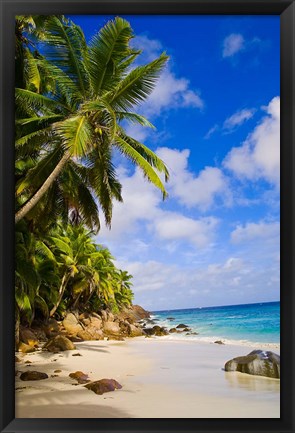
50 405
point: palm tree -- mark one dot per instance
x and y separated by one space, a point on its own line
35 268
123 292
72 248
79 120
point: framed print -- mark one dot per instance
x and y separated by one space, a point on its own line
147 207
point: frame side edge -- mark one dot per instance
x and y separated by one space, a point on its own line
287 210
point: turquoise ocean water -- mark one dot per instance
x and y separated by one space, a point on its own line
255 323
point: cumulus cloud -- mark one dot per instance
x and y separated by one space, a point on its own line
138 132
194 190
233 278
238 118
256 231
174 226
170 91
142 211
259 155
232 44
141 201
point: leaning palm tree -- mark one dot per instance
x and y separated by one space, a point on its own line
80 118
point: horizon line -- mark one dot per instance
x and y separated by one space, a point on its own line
216 306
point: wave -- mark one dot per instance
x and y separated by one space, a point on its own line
212 339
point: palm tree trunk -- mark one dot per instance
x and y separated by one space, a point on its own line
77 300
89 297
43 189
62 288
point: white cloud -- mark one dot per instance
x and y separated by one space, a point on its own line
232 279
142 211
149 47
256 231
238 118
211 131
193 190
174 226
232 44
138 132
232 122
170 91
259 156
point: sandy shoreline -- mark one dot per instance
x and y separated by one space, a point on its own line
160 378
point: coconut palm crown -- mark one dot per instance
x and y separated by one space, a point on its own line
72 112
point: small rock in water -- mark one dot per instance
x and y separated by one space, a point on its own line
76 354
218 342
103 385
57 371
181 325
33 375
170 318
156 330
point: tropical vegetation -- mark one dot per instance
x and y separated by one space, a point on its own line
73 101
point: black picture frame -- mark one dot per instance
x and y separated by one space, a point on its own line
286 10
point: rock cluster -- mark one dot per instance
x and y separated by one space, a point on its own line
99 386
57 336
156 330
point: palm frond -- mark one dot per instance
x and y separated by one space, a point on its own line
63 83
148 155
64 47
40 304
30 144
36 123
31 72
76 191
107 50
141 162
62 245
77 134
103 180
138 84
39 173
38 102
134 118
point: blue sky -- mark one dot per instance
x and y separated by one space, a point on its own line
216 108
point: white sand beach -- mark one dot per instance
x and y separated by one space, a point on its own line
160 378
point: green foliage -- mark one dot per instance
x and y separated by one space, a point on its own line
66 269
73 99
72 102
